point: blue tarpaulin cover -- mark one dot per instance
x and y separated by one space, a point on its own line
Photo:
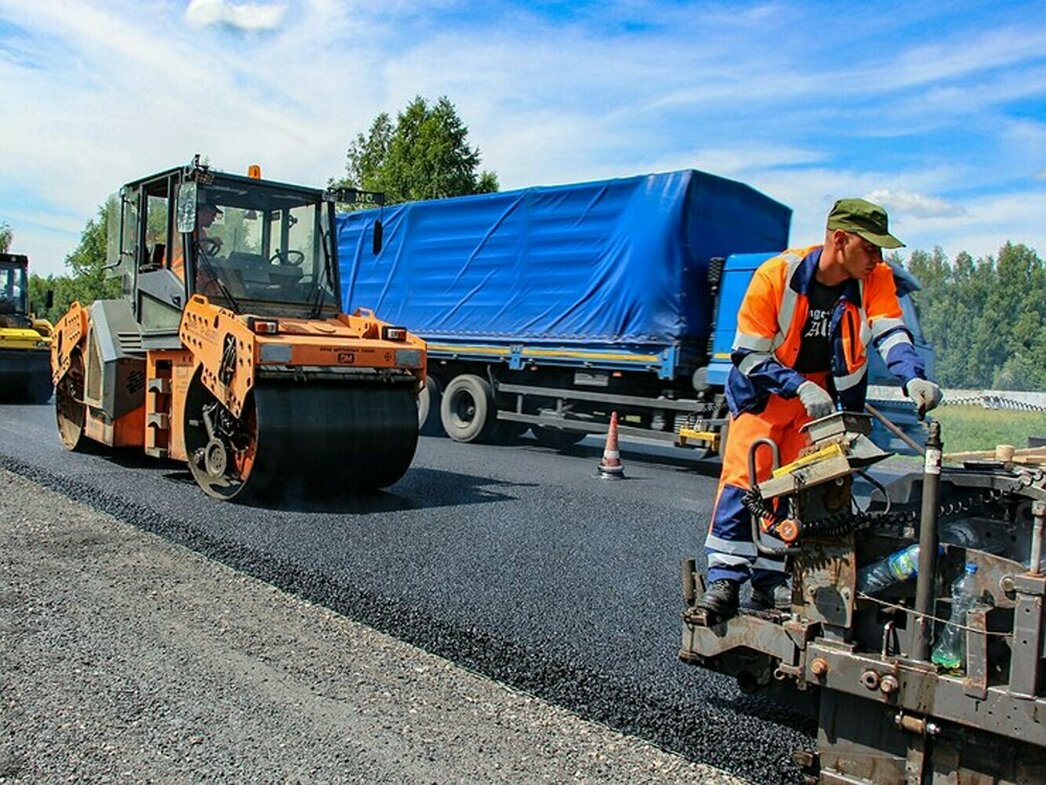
611 262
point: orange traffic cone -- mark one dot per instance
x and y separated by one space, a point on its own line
610 467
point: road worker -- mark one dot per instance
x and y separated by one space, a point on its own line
805 327
205 217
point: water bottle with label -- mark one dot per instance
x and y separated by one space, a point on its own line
950 651
895 568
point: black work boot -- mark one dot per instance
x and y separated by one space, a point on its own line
720 599
765 598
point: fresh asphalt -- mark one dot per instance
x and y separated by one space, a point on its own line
514 561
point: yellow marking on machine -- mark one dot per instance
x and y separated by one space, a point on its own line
22 338
707 437
442 347
528 354
831 451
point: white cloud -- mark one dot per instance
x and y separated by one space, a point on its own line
97 92
914 204
250 17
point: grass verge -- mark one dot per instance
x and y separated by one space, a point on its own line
966 428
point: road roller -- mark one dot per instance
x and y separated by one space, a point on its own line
228 349
914 632
25 375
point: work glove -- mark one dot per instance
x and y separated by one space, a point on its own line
925 394
816 399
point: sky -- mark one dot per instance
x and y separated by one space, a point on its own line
937 110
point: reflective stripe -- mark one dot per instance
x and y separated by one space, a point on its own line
739 547
752 361
885 324
770 565
789 296
726 560
899 337
754 343
851 379
866 331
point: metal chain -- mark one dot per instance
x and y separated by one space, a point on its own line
846 522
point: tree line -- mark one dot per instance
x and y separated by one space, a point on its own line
985 317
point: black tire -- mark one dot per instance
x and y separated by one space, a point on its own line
557 438
467 410
429 400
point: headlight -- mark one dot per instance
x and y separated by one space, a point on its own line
408 358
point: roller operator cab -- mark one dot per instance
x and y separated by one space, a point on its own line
25 341
229 349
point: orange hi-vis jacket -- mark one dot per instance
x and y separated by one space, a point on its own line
770 325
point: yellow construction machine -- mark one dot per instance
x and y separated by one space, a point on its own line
25 341
229 349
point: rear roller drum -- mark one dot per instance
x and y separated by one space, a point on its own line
300 440
70 409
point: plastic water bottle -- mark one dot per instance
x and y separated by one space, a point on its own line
895 568
950 651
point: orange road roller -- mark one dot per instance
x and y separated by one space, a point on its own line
229 350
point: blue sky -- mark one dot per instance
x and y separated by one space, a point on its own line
936 110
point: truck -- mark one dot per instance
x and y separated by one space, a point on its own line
550 308
229 350
25 341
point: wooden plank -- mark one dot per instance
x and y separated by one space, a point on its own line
999 453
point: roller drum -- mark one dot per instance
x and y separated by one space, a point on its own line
302 439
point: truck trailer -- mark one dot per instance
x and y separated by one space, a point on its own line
552 307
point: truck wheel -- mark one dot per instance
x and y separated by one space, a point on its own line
429 400
467 409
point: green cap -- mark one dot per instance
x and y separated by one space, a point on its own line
864 219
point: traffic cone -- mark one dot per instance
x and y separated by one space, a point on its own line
610 467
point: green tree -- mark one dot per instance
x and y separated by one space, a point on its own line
6 235
425 155
985 318
89 280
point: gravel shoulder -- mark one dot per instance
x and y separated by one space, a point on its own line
124 657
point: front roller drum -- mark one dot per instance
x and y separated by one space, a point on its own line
301 440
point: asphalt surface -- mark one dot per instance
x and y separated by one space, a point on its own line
513 561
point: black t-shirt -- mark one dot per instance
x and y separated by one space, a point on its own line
815 352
